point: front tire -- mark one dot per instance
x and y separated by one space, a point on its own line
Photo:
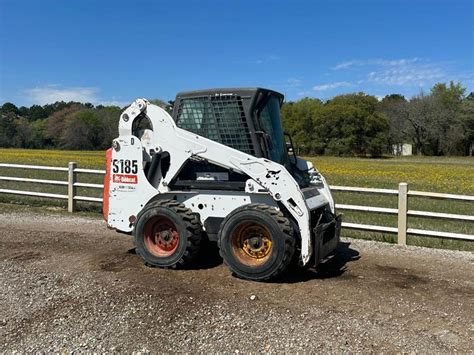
256 242
167 234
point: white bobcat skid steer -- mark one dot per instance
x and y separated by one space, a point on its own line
219 168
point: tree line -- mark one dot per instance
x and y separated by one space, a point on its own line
62 125
440 122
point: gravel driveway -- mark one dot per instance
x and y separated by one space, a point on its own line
69 284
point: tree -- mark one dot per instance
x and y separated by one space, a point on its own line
7 129
38 139
438 123
36 112
395 108
49 109
435 120
8 107
422 110
23 133
109 117
466 118
82 131
350 125
56 124
24 111
298 120
450 130
450 96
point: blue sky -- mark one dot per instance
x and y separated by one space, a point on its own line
112 52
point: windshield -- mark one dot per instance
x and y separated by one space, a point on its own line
270 123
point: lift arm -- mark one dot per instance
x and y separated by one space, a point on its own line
183 145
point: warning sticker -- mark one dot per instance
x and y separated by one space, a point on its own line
124 179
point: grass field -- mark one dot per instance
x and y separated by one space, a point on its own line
84 159
435 174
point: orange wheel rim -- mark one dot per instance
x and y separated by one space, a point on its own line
251 243
161 236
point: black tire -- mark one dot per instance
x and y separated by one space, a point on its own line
167 234
243 242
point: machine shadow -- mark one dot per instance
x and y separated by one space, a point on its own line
208 257
334 266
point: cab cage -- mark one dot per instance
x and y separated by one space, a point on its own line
227 116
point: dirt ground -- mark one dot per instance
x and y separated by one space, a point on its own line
69 284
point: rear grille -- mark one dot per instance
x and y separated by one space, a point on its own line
220 118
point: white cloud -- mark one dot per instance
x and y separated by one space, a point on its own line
397 62
293 83
52 93
344 65
330 86
409 72
403 75
375 61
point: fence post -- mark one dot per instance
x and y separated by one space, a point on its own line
71 189
402 213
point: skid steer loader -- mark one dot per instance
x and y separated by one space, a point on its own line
221 169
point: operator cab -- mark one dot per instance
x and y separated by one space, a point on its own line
244 119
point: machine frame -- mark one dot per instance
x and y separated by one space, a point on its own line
128 190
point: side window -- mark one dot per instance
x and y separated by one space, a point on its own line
270 122
266 121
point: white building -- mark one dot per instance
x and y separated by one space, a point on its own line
402 149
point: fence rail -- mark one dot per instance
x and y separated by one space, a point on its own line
402 211
71 183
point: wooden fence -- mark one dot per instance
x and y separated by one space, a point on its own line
402 211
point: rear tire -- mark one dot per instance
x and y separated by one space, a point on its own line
167 234
256 242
